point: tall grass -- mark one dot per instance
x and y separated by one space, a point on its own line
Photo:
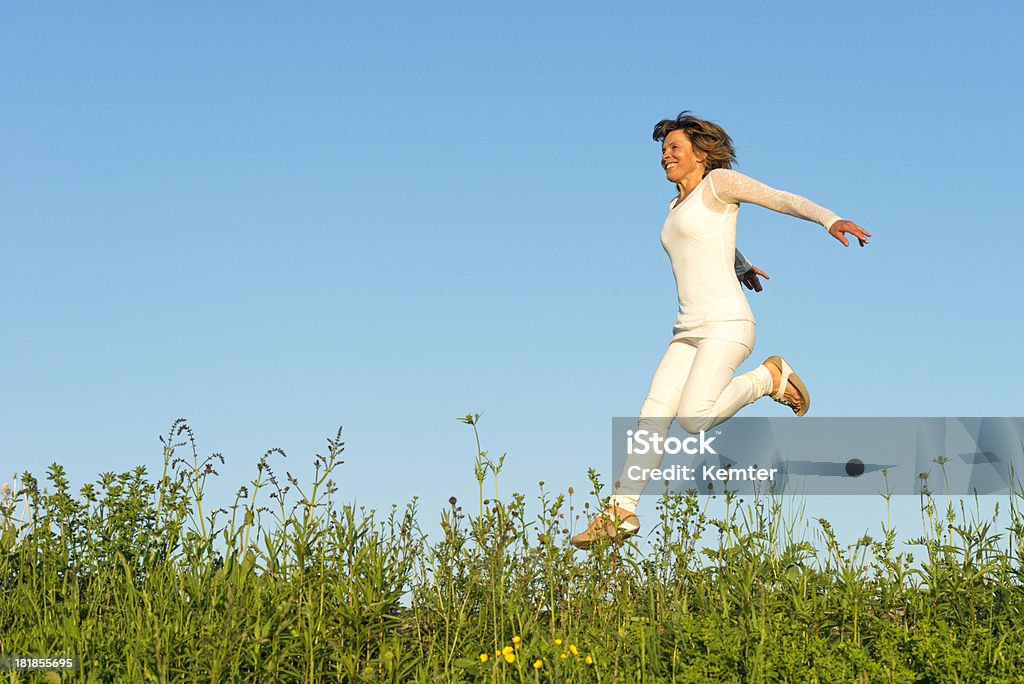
144 581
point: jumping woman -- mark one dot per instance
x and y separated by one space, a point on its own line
696 381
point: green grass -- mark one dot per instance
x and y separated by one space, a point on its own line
143 581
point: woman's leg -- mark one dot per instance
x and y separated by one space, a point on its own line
695 384
658 411
711 394
696 376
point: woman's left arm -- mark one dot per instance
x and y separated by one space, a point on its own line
732 187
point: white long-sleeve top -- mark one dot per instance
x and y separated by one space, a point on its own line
699 236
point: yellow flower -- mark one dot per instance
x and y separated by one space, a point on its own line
588 660
497 653
572 649
564 656
510 657
483 657
538 665
558 642
516 640
506 650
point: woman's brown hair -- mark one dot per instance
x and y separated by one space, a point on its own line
706 137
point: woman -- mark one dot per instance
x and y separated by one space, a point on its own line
714 331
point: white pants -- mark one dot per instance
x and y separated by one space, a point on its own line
694 383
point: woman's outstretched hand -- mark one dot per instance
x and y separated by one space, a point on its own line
840 227
751 280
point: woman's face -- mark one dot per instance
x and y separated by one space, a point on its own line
678 158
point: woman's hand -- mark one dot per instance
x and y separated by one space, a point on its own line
750 278
840 227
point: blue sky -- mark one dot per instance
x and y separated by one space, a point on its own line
275 220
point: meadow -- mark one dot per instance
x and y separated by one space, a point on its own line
143 581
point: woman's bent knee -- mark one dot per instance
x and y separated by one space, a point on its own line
694 424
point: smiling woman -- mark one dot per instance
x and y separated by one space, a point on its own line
689 143
696 381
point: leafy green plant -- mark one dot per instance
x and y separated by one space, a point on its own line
145 580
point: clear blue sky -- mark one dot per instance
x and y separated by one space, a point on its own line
274 219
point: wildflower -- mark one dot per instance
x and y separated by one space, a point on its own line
558 642
507 650
483 657
497 653
510 657
564 656
517 640
539 664
572 649
588 660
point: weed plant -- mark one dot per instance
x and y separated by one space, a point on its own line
145 582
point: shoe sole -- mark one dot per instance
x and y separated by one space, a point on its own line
588 544
798 384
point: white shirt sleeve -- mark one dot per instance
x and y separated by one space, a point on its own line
732 187
742 265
